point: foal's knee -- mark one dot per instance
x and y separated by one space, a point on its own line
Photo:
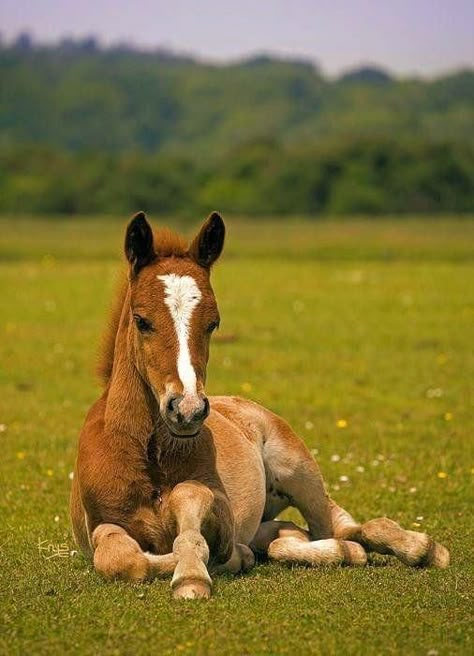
117 555
191 496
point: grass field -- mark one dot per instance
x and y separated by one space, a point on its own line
359 333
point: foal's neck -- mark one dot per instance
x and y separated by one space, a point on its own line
132 412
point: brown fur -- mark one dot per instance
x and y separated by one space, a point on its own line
107 346
147 502
167 244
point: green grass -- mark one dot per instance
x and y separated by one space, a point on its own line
363 321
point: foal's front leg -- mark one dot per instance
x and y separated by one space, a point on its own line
118 556
198 511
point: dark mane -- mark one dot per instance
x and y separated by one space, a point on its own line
167 244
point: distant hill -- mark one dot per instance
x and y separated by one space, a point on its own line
88 130
76 96
367 75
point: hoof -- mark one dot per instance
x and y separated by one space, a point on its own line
247 557
437 556
354 554
192 590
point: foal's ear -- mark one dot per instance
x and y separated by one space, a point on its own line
208 244
139 249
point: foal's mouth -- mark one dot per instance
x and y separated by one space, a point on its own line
184 436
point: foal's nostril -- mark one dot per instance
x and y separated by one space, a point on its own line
173 404
185 413
206 408
202 412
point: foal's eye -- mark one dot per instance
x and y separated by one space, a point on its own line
212 326
143 325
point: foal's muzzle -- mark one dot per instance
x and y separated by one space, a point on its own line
184 415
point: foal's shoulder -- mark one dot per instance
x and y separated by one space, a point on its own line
234 404
238 404
245 414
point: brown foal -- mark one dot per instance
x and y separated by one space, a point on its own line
168 481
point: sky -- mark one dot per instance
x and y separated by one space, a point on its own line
424 37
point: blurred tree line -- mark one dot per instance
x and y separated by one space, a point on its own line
86 130
261 177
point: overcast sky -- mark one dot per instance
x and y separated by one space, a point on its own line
405 36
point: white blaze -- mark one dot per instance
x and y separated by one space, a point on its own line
181 296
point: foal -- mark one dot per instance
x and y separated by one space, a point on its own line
168 481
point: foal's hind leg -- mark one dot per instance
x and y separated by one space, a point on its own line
385 536
287 542
293 473
294 476
118 556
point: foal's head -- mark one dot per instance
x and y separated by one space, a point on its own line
173 313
